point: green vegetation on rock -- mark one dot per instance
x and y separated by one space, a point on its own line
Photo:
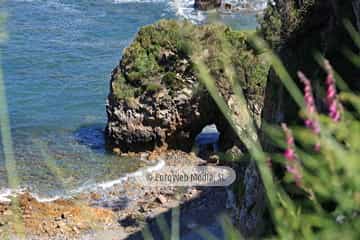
160 57
298 31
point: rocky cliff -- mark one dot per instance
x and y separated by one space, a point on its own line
156 98
297 30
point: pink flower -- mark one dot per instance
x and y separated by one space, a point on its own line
310 122
334 106
296 174
292 164
290 154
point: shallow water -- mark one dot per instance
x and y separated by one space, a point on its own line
57 64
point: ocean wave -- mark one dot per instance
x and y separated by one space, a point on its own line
109 184
185 10
6 194
54 5
253 5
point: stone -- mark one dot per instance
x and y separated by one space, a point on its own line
128 221
214 159
161 199
76 230
205 5
117 150
253 203
173 106
228 6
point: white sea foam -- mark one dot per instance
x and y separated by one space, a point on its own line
6 194
253 5
185 9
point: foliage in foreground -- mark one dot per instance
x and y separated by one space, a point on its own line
314 193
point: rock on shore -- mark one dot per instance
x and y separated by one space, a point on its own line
156 98
207 4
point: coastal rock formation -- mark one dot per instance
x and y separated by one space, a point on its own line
207 4
156 98
296 29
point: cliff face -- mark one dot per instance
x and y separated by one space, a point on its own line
297 29
156 98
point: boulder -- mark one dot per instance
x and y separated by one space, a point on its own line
205 5
156 98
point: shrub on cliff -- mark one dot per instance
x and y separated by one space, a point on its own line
314 193
156 54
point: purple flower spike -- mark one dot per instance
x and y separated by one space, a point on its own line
292 165
296 173
310 122
331 96
289 153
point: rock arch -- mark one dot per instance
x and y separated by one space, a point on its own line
156 98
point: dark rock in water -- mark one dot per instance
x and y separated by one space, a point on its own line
91 136
156 98
207 4
228 6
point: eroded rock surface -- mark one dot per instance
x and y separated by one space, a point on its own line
156 98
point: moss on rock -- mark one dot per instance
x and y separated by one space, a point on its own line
157 52
158 76
304 28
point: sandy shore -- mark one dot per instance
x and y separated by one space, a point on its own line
119 212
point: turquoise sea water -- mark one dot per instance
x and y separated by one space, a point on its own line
57 64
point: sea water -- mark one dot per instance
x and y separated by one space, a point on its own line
57 63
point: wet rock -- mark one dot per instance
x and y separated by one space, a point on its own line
207 4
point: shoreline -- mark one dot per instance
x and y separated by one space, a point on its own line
122 209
